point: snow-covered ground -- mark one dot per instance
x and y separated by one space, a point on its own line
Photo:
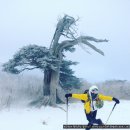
48 118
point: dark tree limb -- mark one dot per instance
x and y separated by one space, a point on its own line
27 69
83 40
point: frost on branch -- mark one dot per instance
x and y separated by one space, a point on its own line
31 57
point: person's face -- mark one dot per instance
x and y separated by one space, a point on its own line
94 94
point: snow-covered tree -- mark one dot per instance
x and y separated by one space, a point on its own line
52 59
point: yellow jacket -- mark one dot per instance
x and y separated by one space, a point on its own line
87 104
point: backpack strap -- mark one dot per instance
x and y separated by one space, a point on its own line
86 92
87 99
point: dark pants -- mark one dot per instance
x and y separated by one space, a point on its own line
91 117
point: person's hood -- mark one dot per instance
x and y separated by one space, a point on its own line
91 92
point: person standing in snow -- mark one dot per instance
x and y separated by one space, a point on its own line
93 100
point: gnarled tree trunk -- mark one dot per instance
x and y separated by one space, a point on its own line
46 82
53 86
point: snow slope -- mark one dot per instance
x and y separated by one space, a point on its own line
48 118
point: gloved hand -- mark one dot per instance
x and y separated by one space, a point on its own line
116 100
68 95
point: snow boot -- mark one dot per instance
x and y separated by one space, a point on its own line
99 122
89 125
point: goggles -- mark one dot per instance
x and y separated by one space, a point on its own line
94 91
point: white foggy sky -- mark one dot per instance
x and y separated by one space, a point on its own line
24 22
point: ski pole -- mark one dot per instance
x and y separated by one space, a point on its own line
111 112
67 111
